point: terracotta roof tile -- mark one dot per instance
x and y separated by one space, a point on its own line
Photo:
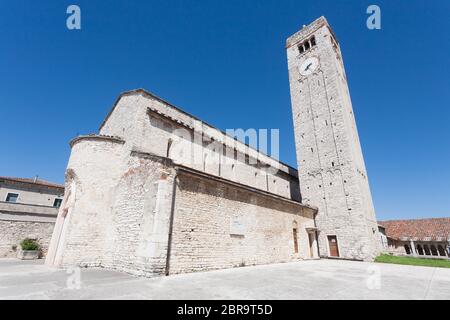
432 229
33 181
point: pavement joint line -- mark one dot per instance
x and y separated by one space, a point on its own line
427 290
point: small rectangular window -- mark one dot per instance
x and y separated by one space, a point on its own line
313 41
57 203
301 49
294 233
12 197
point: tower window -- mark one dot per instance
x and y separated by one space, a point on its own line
306 45
301 49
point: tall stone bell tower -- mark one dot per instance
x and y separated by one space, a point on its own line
331 166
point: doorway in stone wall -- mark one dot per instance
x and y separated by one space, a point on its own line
311 238
333 246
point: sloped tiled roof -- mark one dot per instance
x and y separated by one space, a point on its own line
432 229
39 182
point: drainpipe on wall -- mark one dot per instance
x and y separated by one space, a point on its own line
172 213
316 233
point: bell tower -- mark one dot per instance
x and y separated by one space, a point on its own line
330 162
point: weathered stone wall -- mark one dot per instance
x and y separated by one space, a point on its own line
19 221
221 226
332 173
13 232
141 212
83 230
116 211
149 124
117 214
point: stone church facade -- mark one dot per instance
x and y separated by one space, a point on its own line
159 191
138 201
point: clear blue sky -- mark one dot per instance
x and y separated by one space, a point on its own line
225 62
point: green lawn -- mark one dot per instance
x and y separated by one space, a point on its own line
385 258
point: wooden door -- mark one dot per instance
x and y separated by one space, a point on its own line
333 245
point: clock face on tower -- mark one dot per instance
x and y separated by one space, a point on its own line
308 66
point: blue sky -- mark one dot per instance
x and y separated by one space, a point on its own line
225 62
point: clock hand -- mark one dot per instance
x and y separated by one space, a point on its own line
307 67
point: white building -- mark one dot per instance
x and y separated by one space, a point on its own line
28 209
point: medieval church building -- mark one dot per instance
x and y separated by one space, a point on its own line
159 191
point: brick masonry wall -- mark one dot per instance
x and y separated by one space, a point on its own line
204 227
13 232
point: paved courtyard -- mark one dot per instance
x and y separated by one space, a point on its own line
319 279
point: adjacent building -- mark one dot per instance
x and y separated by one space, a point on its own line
426 238
28 209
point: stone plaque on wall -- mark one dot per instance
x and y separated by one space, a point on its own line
237 226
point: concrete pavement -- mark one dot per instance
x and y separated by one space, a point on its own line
318 279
